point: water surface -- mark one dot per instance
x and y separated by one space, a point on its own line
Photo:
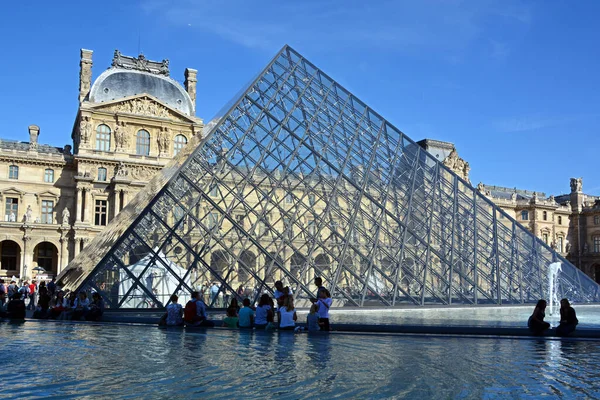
55 360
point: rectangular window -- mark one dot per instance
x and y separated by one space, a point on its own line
100 213
560 245
596 244
311 199
49 176
47 211
545 238
288 227
214 191
213 220
178 214
311 227
102 174
525 215
13 172
597 220
12 209
289 198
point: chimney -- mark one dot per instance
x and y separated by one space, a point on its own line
85 74
34 132
190 83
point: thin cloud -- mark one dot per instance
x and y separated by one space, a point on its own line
444 26
532 123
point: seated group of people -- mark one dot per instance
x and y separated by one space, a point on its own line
260 317
193 314
568 319
75 307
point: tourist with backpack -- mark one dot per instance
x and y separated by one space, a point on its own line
11 290
194 313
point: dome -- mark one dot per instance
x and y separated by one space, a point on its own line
116 83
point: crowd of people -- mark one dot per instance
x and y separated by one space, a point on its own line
47 301
568 319
269 313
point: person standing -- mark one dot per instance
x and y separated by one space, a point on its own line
32 295
324 303
568 319
52 287
2 292
11 290
214 293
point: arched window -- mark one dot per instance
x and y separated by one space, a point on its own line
49 175
559 220
142 143
545 216
179 143
13 172
101 174
525 215
103 138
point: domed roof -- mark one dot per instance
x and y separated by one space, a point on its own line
130 76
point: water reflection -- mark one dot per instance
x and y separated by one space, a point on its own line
139 362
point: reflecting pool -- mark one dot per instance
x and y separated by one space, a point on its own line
55 360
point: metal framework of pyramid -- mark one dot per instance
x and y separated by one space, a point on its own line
298 178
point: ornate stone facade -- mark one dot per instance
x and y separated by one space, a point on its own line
54 201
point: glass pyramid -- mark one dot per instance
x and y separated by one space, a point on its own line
298 178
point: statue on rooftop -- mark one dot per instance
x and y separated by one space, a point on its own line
576 185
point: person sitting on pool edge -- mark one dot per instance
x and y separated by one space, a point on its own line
246 315
568 319
195 312
287 314
174 314
536 323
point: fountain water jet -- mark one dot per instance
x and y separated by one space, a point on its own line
553 270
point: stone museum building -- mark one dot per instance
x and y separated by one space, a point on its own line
132 120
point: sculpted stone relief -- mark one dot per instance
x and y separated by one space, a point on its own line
458 165
143 106
164 140
142 173
576 184
85 129
122 137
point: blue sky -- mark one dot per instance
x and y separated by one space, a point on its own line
513 84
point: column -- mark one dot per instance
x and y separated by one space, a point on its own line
61 255
86 201
125 198
77 246
26 258
117 202
78 206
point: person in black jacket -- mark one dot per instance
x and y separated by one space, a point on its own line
16 307
568 319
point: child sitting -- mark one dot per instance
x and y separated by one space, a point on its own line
231 320
312 319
